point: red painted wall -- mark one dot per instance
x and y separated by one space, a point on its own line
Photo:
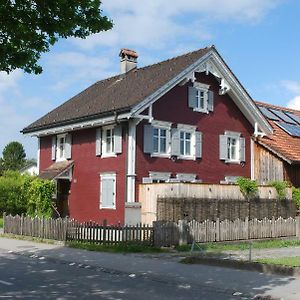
173 107
85 187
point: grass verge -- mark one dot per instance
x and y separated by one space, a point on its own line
125 247
219 247
282 261
29 238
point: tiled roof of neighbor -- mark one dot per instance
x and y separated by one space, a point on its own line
118 93
280 141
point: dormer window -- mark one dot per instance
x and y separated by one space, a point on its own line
200 98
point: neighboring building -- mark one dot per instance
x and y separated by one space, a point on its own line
185 119
31 169
277 156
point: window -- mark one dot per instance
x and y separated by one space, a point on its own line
201 98
109 141
160 140
185 143
157 177
232 147
157 138
108 190
61 147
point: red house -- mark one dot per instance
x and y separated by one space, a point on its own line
184 119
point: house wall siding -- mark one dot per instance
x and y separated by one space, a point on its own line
173 107
85 186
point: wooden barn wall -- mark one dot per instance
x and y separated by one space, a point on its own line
267 167
174 209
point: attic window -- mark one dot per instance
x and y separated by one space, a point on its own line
200 98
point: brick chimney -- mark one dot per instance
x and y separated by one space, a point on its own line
128 60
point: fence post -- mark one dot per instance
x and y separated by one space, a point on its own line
218 229
298 227
183 232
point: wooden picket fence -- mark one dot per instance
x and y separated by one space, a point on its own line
71 230
171 233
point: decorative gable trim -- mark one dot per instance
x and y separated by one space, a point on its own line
213 63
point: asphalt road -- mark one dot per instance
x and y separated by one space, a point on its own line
25 277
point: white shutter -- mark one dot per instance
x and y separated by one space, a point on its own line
68 148
210 103
242 149
175 142
148 139
118 139
108 191
98 142
223 147
53 149
192 97
198 144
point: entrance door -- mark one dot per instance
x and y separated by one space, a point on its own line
62 201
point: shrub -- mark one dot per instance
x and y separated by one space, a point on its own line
280 187
296 197
248 187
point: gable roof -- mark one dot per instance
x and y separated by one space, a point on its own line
116 94
280 142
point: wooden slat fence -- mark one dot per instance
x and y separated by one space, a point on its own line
171 233
71 230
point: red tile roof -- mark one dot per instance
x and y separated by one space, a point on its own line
280 142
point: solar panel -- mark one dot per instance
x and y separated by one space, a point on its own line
293 116
293 130
282 116
268 114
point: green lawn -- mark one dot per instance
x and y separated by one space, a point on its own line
284 261
219 247
1 222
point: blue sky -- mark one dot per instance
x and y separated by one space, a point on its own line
258 39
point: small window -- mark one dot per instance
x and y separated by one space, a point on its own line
160 140
201 98
109 141
185 143
108 190
232 147
61 147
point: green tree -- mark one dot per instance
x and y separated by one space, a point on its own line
30 27
13 156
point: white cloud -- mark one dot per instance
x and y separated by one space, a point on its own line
294 103
156 24
291 86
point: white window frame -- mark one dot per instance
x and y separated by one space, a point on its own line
157 176
60 156
236 136
188 129
161 125
186 177
108 176
201 88
104 152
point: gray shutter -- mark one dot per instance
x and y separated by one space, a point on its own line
98 142
210 103
68 146
148 139
223 147
175 142
192 97
118 139
198 144
53 154
107 192
242 149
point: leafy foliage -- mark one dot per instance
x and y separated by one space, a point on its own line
13 156
248 187
29 28
296 197
25 194
280 187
